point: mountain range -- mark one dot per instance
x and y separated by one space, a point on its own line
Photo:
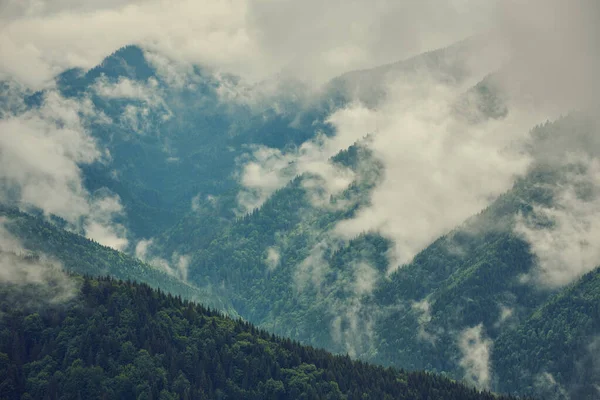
249 200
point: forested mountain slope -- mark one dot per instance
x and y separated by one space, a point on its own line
468 281
123 340
178 134
472 305
173 135
82 256
554 351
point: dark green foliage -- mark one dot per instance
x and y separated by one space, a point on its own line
561 339
289 222
119 340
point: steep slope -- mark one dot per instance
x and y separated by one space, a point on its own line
122 340
554 352
467 284
172 134
282 266
256 258
177 134
79 255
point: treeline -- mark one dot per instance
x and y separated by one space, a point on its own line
122 340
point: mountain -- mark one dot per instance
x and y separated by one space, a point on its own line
123 340
477 304
553 352
173 141
77 254
453 65
466 282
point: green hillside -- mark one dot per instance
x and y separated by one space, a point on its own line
82 256
121 340
554 351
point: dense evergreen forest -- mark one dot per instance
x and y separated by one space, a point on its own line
560 338
122 340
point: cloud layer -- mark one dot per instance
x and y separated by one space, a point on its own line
439 169
313 40
41 153
565 234
19 268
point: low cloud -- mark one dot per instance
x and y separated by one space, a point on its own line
8 243
41 150
354 318
438 168
564 236
273 258
311 40
269 169
178 265
546 385
343 294
310 273
475 349
353 325
506 314
423 309
37 272
100 225
554 53
20 268
127 89
145 106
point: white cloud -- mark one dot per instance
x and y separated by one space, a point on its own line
311 271
423 308
146 99
547 386
475 349
100 225
196 202
565 235
506 313
8 243
178 266
313 40
17 269
271 169
353 325
127 89
555 56
438 168
273 258
40 154
365 278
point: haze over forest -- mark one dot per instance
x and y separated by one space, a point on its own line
415 184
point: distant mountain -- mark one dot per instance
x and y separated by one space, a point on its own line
451 65
177 140
122 340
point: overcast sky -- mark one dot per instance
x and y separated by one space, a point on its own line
310 39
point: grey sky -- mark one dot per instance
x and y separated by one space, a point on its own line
313 40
